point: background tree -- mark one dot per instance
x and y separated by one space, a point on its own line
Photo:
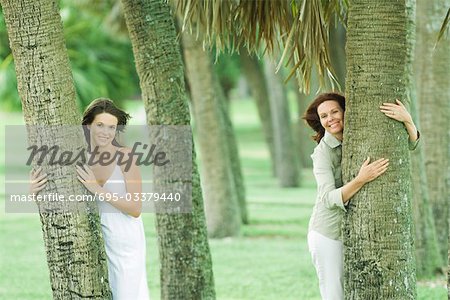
186 270
208 102
254 73
235 165
433 90
304 133
428 258
428 251
227 69
286 163
377 229
73 241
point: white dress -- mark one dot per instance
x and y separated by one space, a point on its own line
125 245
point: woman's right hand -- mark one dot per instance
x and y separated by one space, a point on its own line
370 171
37 181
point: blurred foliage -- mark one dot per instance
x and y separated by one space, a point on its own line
101 59
227 67
8 85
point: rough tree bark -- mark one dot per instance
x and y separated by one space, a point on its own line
74 245
186 267
377 230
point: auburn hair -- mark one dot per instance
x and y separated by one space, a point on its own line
312 117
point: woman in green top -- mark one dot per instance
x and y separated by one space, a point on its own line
325 115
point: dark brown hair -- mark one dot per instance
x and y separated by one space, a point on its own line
312 117
104 105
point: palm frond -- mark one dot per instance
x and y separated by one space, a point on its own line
297 28
230 24
308 43
444 27
211 19
262 23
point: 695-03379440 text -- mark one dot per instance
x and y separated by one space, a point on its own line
54 197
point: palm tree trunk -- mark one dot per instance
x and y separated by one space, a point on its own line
219 190
74 245
433 84
303 131
186 267
255 76
232 144
235 163
287 168
428 258
377 229
428 252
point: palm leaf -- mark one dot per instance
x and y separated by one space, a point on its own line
297 28
444 27
211 18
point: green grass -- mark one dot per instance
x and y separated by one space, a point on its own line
269 260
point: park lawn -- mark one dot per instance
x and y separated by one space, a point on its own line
269 260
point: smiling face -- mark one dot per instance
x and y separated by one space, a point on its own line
331 117
103 130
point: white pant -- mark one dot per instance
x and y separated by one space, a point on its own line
327 257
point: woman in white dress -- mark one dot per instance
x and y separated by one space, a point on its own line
121 223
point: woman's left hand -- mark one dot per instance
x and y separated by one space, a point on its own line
87 178
396 111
